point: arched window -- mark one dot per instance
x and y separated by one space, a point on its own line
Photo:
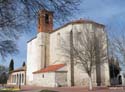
22 78
46 18
17 79
58 39
43 75
14 78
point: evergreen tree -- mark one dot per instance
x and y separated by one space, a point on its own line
23 64
11 66
114 67
3 78
3 69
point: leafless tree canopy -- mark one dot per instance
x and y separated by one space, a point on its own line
16 15
7 47
89 49
15 12
117 46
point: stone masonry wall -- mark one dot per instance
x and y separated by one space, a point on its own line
44 79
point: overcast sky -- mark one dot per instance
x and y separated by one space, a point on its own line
108 12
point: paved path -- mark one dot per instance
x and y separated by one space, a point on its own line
71 89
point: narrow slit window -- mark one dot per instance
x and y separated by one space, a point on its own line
43 75
46 18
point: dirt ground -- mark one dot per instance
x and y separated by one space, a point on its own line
73 89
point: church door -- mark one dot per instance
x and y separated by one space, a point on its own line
120 79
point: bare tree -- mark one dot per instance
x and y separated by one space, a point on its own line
17 15
89 50
118 44
7 47
114 70
13 13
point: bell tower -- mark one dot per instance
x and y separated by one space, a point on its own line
45 21
45 26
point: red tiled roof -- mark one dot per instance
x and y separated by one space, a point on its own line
19 69
79 22
51 68
86 21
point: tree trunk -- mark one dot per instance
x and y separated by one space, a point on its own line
90 83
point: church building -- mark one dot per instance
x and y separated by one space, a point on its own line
49 66
17 77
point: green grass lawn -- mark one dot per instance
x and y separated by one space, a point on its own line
9 90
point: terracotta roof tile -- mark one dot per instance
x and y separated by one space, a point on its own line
19 69
51 68
81 21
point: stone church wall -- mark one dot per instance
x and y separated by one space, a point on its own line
61 78
44 79
58 56
32 48
58 42
81 77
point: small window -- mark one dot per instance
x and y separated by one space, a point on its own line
46 18
43 75
58 39
22 78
